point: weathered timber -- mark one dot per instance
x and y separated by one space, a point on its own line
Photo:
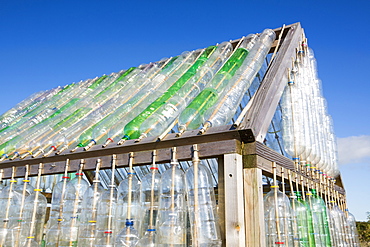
233 219
217 141
266 99
253 207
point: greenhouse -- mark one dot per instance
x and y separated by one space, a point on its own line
228 145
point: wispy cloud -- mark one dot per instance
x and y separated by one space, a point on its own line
354 150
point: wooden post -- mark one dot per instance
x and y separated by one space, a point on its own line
231 200
254 216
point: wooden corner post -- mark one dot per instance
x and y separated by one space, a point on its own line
231 200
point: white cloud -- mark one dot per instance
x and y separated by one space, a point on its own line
354 150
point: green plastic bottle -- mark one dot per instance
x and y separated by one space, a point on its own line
304 222
192 116
321 221
132 129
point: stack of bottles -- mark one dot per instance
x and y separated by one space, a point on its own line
175 208
307 222
307 128
198 87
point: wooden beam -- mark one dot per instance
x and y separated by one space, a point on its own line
254 212
261 150
267 97
216 141
258 155
221 198
231 167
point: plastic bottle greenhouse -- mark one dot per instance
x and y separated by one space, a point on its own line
228 145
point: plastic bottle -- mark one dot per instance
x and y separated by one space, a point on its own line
320 220
34 215
89 208
304 222
278 219
96 134
201 200
99 131
150 205
128 199
34 212
129 189
192 116
24 106
105 230
72 209
157 123
107 205
172 215
10 202
132 129
150 199
14 230
158 85
225 107
353 229
128 237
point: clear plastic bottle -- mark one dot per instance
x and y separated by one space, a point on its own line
56 216
28 104
202 206
107 205
72 209
105 231
340 224
99 131
128 200
172 215
353 229
150 199
34 216
10 201
278 219
149 239
25 190
52 234
95 134
89 208
157 86
57 201
128 237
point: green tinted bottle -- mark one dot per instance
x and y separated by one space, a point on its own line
192 116
319 208
131 130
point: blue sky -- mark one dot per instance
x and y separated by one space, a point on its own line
44 44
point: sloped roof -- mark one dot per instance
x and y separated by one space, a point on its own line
139 106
